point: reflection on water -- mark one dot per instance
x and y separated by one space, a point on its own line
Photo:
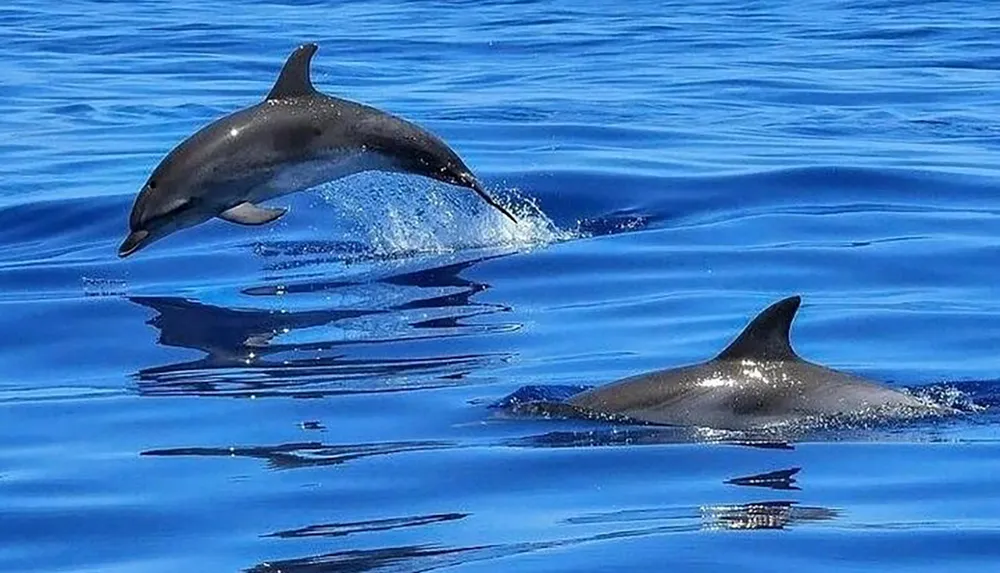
777 514
779 479
366 336
229 336
604 527
342 529
762 515
305 454
743 516
404 558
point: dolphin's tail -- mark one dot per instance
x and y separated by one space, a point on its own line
486 197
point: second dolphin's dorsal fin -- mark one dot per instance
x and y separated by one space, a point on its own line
767 335
294 80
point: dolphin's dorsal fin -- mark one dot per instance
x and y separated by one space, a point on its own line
766 337
294 80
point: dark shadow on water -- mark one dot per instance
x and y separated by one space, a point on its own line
303 454
343 529
403 558
778 479
386 340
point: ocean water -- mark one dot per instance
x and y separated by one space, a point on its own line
314 395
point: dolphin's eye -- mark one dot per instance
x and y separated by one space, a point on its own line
152 184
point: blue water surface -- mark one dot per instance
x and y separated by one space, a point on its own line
314 395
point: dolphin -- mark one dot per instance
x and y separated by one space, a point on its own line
296 138
757 381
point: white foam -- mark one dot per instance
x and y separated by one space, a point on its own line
398 216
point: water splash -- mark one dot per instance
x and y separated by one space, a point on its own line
970 399
389 216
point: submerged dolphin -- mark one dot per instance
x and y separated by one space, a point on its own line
757 381
295 139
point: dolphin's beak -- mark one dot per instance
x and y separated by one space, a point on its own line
473 184
132 243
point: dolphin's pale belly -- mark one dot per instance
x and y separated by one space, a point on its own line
294 176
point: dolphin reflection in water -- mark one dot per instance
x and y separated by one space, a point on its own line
254 350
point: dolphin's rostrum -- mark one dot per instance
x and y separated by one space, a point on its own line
757 381
295 139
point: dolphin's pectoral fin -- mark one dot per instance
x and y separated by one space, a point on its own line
294 80
250 214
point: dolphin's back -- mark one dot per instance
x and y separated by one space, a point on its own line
741 395
251 145
315 127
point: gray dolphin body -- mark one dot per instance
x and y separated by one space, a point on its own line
295 139
757 381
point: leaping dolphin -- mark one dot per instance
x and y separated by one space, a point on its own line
757 381
295 139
